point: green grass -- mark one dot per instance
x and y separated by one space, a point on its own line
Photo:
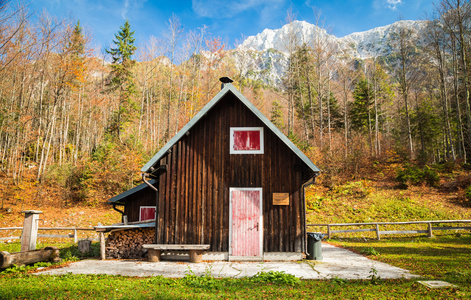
68 251
446 257
443 257
116 287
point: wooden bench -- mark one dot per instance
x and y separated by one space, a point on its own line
196 251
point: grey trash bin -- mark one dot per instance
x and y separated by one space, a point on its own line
314 245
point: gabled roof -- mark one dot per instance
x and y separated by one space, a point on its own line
123 196
228 88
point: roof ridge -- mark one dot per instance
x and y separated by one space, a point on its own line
229 87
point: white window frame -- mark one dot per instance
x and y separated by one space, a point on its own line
154 207
262 141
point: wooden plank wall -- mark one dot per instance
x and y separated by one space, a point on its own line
194 192
144 197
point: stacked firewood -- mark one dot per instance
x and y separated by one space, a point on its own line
127 244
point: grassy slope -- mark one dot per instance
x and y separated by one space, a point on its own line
373 198
377 198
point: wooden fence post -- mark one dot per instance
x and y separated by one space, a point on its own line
102 245
29 234
75 236
377 232
430 233
84 246
328 232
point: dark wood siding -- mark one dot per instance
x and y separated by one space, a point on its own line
194 192
144 197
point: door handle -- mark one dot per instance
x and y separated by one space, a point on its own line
255 227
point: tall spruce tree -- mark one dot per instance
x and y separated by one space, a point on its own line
361 109
122 79
276 115
76 49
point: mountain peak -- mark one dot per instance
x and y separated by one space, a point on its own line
270 66
301 31
359 44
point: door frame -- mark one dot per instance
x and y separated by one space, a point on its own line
260 221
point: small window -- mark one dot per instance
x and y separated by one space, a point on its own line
246 140
146 213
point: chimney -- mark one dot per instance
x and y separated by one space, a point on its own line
224 81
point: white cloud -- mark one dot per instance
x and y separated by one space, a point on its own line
225 9
392 4
133 5
125 9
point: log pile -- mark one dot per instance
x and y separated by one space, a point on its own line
127 244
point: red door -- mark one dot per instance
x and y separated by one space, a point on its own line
246 222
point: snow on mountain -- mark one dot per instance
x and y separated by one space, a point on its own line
361 44
277 39
270 47
376 42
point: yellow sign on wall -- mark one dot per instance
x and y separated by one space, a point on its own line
280 198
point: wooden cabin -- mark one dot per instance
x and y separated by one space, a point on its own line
230 179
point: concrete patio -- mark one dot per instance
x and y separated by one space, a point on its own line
337 262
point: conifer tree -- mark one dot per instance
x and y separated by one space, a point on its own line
276 115
76 49
122 79
361 110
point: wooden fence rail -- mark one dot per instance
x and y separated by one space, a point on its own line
429 230
73 235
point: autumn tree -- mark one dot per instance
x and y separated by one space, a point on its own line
173 39
291 41
453 20
406 70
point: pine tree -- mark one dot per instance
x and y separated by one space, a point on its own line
122 79
276 115
361 110
76 49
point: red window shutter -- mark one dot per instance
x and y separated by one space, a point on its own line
246 140
147 213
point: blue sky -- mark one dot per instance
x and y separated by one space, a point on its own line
228 19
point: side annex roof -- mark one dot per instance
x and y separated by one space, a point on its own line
228 88
122 197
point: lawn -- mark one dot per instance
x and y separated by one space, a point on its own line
444 257
441 258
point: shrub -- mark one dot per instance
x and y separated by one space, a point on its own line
358 189
78 183
205 281
276 277
370 251
16 270
414 175
467 193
